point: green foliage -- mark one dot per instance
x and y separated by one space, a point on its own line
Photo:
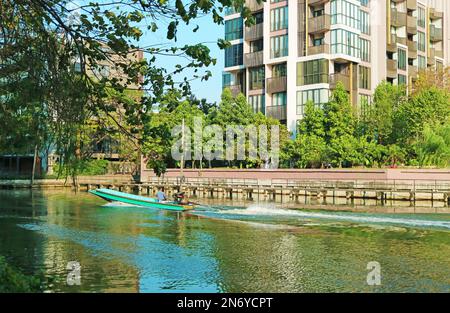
86 167
46 100
12 280
433 147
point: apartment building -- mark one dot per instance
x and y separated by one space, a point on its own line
299 49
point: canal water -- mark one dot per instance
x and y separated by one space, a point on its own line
221 247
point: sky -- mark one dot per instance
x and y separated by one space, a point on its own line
208 33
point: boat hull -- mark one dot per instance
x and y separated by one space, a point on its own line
112 195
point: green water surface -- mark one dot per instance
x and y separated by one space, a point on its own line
220 248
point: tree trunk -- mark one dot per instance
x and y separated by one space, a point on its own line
34 164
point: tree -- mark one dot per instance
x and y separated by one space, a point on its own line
433 147
339 125
386 101
61 34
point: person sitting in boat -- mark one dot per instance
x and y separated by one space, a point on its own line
160 195
180 198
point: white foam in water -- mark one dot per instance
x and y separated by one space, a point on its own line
273 211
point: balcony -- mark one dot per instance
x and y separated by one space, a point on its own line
338 77
412 71
411 25
412 49
276 84
401 40
277 112
439 54
398 19
253 5
313 3
254 32
319 49
392 47
432 53
391 68
435 34
411 5
319 24
435 15
235 89
254 59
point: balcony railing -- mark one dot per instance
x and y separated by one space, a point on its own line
235 89
391 68
398 19
254 59
401 40
411 4
434 14
392 46
276 111
253 5
431 56
276 84
412 49
319 24
435 33
318 49
316 2
338 77
254 32
411 25
412 71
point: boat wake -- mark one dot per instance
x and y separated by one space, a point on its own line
272 211
118 204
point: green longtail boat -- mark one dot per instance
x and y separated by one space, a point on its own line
113 195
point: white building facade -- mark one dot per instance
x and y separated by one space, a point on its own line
299 49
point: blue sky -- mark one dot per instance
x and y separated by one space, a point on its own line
208 33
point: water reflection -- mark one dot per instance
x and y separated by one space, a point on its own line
219 248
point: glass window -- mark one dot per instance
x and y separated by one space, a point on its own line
233 55
279 98
422 62
364 46
402 80
226 79
312 72
344 42
421 20
257 102
364 2
278 46
259 17
402 59
346 13
256 45
365 22
279 18
421 44
279 70
364 77
318 96
234 29
256 77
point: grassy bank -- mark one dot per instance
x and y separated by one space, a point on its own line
13 280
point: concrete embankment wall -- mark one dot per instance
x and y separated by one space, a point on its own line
308 174
82 180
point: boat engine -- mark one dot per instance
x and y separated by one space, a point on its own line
179 197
